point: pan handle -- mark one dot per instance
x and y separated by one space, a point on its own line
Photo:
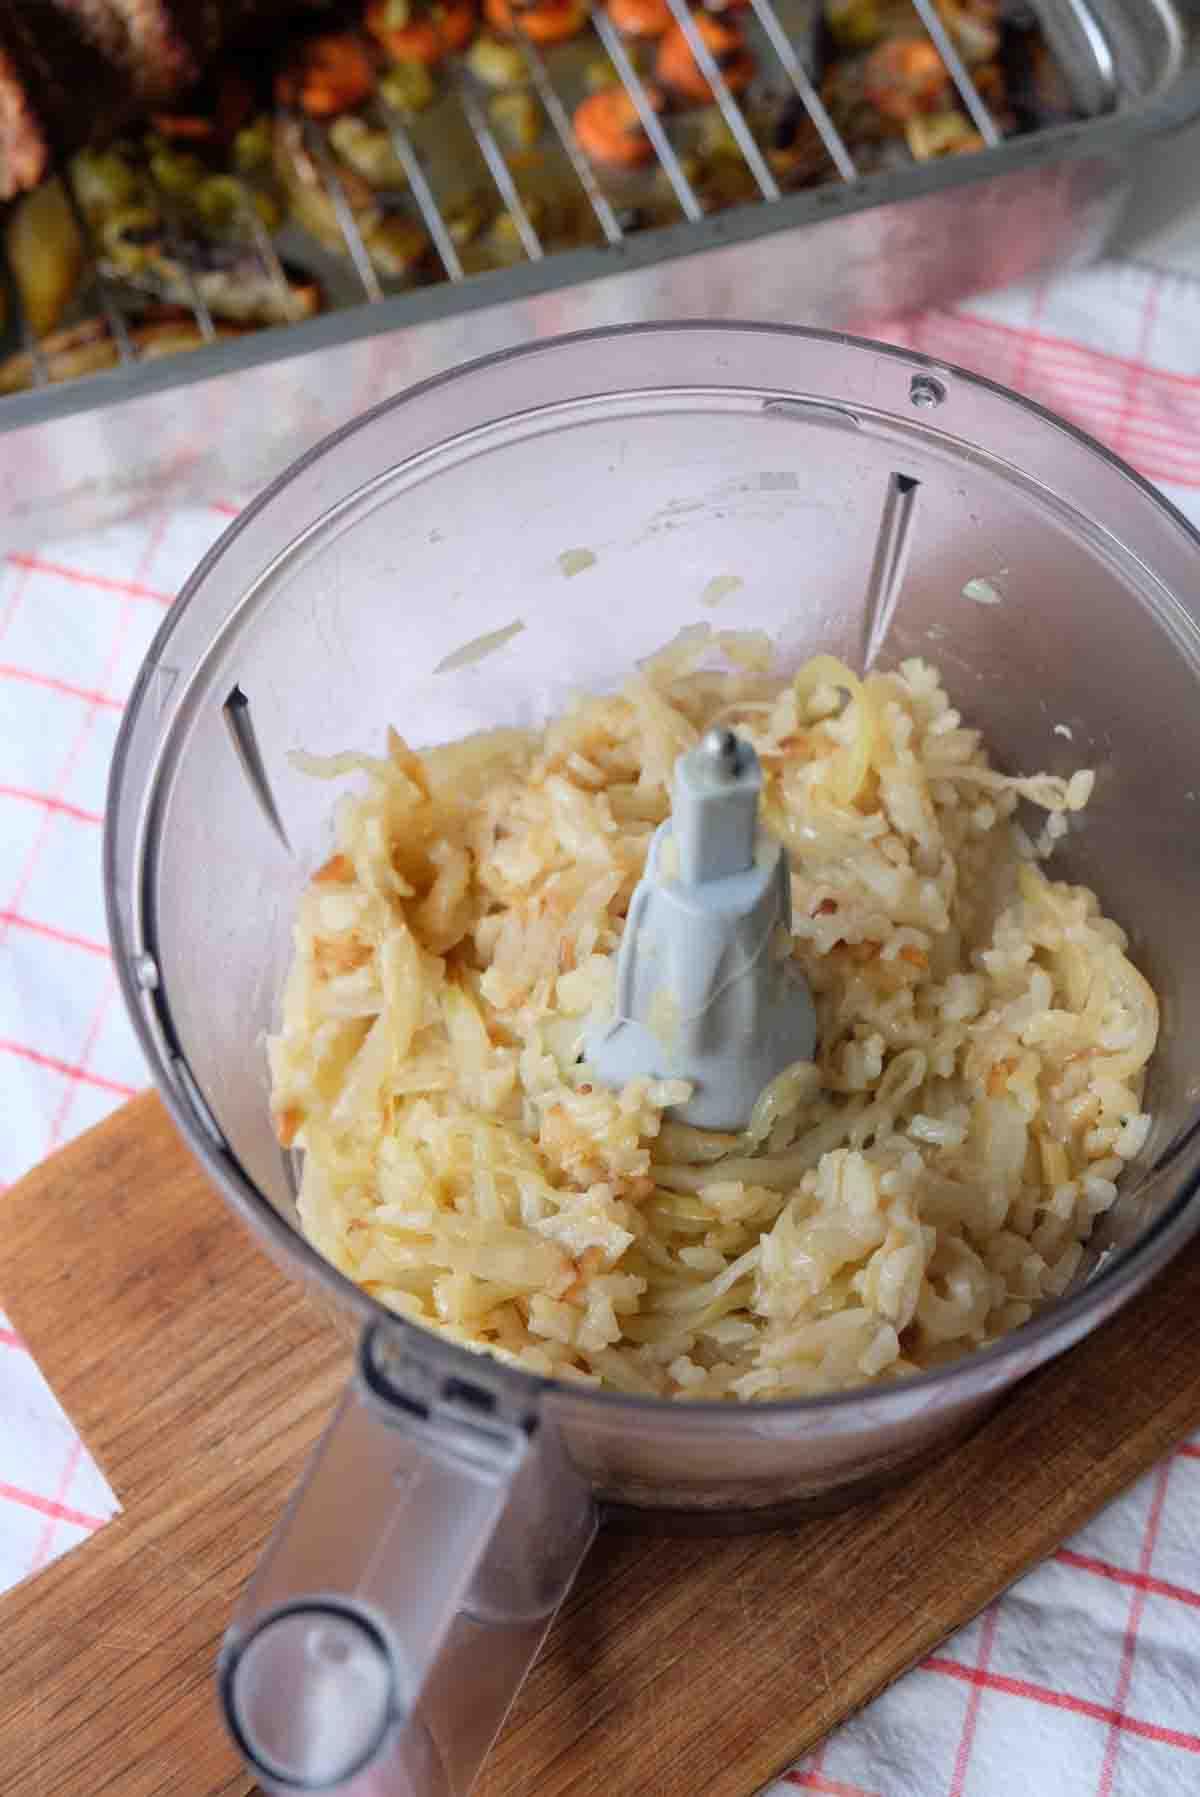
408 1588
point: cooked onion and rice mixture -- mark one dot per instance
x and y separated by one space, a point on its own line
982 1040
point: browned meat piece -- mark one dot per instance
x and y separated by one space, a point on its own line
168 42
24 150
61 86
98 21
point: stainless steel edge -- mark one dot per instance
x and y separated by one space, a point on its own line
216 424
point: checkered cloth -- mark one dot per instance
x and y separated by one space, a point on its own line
1082 1680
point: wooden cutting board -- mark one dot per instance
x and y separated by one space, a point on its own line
198 1376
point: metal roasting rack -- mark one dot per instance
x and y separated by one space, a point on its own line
1132 71
424 183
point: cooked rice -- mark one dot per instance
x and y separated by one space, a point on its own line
911 1196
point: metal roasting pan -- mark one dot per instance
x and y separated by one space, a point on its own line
218 422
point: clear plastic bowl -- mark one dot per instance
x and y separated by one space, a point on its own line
670 455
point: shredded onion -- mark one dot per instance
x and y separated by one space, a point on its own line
982 1040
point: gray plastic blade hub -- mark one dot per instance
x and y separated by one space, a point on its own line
706 988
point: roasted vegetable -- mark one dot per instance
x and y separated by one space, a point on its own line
641 18
504 238
974 27
177 172
465 220
396 245
722 176
678 69
723 181
854 24
407 87
211 252
252 145
129 237
230 279
497 62
325 75
221 202
103 179
368 152
691 167
543 21
518 118
309 204
599 74
240 290
46 255
89 348
903 77
608 128
414 32
949 133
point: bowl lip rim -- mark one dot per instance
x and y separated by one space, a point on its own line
1107 1289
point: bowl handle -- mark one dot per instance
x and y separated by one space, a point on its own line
408 1587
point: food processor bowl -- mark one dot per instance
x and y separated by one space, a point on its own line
464 557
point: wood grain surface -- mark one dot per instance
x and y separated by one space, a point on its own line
199 1376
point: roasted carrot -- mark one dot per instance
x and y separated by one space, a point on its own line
545 22
422 34
640 18
326 75
678 69
608 129
903 77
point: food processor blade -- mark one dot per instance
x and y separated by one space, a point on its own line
707 990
